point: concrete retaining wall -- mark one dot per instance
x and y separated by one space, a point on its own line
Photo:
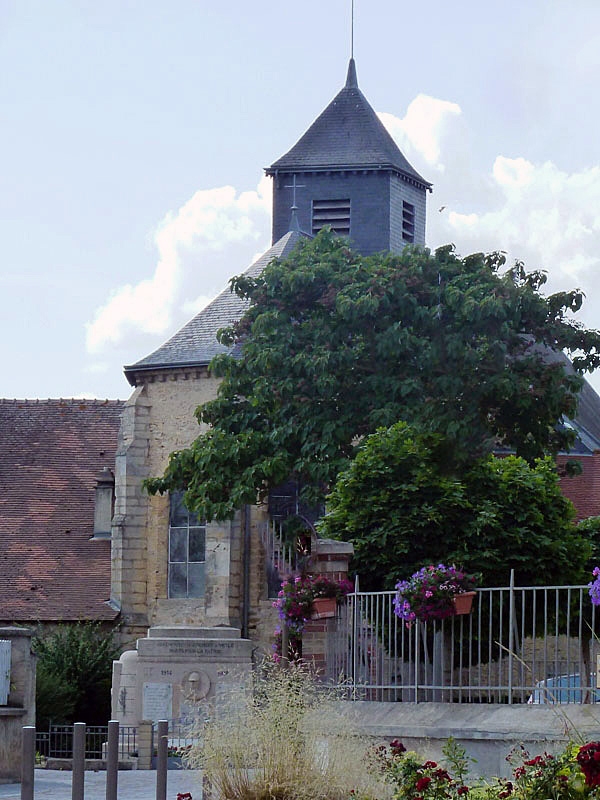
487 732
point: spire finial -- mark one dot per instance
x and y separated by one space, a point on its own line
351 79
352 31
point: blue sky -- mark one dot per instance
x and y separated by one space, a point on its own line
133 136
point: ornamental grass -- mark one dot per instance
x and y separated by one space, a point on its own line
280 738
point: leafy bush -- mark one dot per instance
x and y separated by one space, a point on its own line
403 505
74 670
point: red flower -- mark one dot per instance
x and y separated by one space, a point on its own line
462 790
422 783
588 759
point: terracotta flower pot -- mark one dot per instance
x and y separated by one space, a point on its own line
463 603
324 607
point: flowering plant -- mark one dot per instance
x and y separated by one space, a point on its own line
295 598
295 603
594 587
588 759
428 593
414 779
573 773
323 586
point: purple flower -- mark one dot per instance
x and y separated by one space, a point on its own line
428 593
594 587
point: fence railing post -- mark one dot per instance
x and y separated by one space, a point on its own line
78 776
161 760
27 762
511 615
355 643
112 760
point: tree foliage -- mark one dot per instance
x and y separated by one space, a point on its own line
335 345
402 509
74 672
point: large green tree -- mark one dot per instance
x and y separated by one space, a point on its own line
401 508
335 345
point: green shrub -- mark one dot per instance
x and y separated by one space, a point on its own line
74 671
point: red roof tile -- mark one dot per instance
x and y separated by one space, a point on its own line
52 451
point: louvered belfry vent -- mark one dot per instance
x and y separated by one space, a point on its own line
408 222
332 213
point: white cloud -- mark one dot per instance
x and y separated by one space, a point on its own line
422 129
190 239
536 212
546 216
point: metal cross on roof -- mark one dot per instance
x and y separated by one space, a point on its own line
293 185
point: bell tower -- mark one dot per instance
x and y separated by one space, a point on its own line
347 172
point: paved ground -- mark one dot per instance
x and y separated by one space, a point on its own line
133 784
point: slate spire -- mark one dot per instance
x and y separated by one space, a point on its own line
348 134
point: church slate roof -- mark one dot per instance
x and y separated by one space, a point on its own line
196 344
587 420
347 135
52 453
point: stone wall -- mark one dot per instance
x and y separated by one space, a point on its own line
157 420
20 710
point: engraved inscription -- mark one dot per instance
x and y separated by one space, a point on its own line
158 701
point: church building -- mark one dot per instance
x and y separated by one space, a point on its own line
197 591
346 172
176 578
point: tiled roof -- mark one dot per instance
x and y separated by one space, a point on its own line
52 451
348 134
196 344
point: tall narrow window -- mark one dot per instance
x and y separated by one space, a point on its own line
187 550
408 222
334 213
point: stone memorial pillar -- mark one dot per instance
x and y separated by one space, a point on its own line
174 669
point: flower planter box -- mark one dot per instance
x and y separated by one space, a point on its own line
463 603
324 607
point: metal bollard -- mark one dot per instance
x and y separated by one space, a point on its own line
27 762
161 761
112 760
78 777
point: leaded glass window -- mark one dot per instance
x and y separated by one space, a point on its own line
187 550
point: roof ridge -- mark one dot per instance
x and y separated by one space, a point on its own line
35 401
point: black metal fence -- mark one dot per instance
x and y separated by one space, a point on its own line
57 741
